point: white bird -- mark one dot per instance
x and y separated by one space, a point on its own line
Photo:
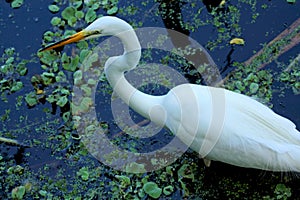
219 124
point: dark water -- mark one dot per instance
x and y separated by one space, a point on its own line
23 29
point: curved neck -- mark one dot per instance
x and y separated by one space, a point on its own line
115 67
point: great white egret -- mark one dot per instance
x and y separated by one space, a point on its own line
249 133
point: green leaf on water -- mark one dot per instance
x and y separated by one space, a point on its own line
87 89
77 77
48 78
31 99
125 181
83 54
184 172
16 86
83 173
53 8
72 66
90 16
66 116
18 192
68 12
152 190
55 21
112 11
168 190
16 3
82 45
62 101
79 14
253 88
43 193
21 68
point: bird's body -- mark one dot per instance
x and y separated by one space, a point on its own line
251 135
219 124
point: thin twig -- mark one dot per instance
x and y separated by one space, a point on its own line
295 61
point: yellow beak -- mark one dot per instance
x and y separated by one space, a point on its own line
73 38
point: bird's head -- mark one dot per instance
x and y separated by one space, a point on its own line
103 26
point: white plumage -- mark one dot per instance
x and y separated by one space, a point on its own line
219 124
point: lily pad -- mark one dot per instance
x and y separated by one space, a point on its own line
168 190
68 12
90 60
82 45
53 8
79 14
85 104
240 86
48 78
92 82
31 99
21 68
66 116
55 21
61 77
18 192
83 54
16 86
47 57
16 3
112 11
184 172
62 101
83 173
51 98
253 88
152 190
72 20
90 16
43 193
71 66
125 181
87 89
78 4
69 15
77 77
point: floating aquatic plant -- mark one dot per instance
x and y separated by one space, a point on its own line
238 41
53 8
152 190
11 70
18 192
17 3
68 158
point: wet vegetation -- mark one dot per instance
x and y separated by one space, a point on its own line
42 155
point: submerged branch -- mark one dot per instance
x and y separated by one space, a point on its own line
11 142
286 40
291 34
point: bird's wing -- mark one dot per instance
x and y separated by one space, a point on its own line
255 121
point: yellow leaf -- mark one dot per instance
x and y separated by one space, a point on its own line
222 3
238 41
38 91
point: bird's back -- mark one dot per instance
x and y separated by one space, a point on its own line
233 128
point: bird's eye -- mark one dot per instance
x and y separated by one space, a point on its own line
97 32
